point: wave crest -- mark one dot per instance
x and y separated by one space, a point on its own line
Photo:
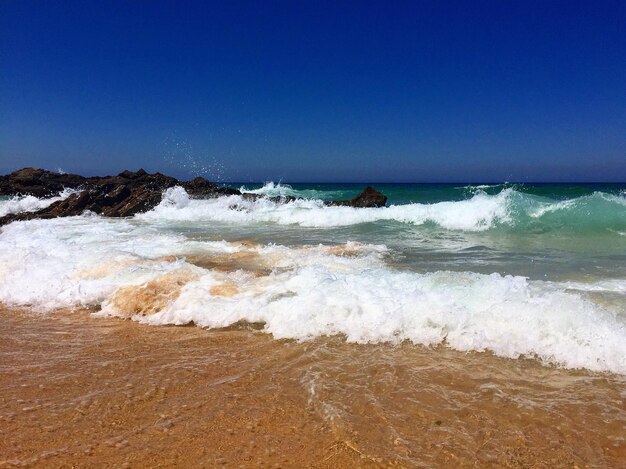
30 203
273 189
302 292
508 209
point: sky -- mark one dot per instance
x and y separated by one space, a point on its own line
386 91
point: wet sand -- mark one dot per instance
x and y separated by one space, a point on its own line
79 391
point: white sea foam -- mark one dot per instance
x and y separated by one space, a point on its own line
469 311
481 187
482 211
552 207
278 189
303 292
479 213
30 203
270 189
175 197
588 204
612 285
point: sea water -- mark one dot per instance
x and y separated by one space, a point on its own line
536 271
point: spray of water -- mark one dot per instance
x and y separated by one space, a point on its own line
181 154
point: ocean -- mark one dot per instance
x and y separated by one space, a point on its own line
535 270
460 325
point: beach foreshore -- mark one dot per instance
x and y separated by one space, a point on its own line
84 392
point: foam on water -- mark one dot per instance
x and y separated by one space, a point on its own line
273 189
30 203
132 269
270 189
478 213
607 285
175 197
507 209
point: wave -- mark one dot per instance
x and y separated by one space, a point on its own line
482 187
478 213
508 209
610 285
272 189
30 203
132 270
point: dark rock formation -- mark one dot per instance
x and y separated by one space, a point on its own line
370 197
38 182
200 187
42 183
127 193
123 195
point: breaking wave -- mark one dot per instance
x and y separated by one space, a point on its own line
272 189
508 209
30 203
132 270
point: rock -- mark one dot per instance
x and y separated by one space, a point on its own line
200 187
42 183
123 195
370 197
156 181
38 182
139 200
126 174
116 196
128 193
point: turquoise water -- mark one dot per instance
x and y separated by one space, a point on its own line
521 270
553 231
437 192
542 231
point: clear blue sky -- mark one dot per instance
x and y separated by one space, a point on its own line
322 91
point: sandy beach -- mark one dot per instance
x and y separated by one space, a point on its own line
313 234
78 391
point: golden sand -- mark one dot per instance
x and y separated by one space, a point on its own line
78 391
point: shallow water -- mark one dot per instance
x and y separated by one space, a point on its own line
521 271
90 391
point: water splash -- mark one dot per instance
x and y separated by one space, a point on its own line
181 154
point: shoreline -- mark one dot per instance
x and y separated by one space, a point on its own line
104 391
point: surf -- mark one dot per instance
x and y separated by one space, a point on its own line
135 270
508 210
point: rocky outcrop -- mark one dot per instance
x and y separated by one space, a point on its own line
42 183
122 201
123 195
370 197
200 187
127 194
38 182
